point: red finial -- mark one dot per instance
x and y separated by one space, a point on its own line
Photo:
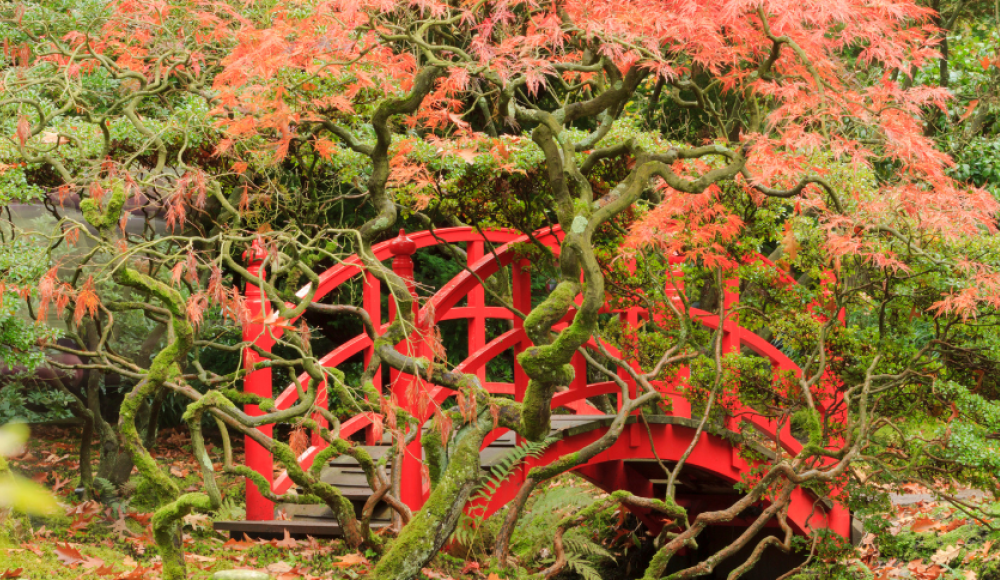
256 252
402 245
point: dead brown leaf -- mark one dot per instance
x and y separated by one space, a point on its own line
141 518
138 574
198 521
59 483
351 560
93 564
53 138
33 549
470 567
69 555
278 567
946 555
120 527
234 544
288 541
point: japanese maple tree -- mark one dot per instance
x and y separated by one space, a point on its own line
713 129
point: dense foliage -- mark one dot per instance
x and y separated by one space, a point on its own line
165 138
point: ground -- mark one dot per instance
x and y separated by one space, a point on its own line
925 539
92 540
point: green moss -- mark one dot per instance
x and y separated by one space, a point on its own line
432 526
538 363
165 366
990 571
536 410
167 531
809 419
107 219
241 398
147 494
657 565
436 458
15 527
539 321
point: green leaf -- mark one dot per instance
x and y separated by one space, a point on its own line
26 496
12 438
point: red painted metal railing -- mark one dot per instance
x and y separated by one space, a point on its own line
711 454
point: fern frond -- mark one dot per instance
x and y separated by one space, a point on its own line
585 547
506 465
466 531
583 567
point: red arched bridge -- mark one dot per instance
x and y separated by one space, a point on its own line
633 463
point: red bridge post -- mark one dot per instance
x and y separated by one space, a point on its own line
257 383
371 301
674 291
521 297
412 494
476 302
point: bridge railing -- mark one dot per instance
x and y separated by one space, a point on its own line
444 305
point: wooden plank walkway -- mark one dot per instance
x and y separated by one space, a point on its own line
345 473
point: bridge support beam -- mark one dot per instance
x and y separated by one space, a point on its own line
257 383
411 470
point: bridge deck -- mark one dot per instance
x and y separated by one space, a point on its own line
344 473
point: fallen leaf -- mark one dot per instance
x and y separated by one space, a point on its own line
944 556
141 518
69 555
234 544
8 573
922 525
81 523
278 567
120 527
93 563
351 560
33 549
288 541
138 574
59 483
198 521
470 567
86 509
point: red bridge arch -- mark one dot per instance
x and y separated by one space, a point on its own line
610 470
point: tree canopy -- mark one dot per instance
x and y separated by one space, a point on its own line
164 138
